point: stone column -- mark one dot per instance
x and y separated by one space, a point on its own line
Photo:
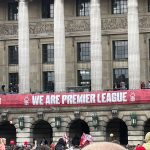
23 39
133 45
59 46
96 46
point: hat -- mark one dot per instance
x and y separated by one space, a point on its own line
140 148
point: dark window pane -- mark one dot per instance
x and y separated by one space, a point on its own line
12 10
47 8
84 78
13 54
48 53
120 50
148 5
83 7
120 78
83 52
119 6
13 82
48 81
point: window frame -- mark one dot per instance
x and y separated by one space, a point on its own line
117 49
80 78
47 8
121 6
86 8
12 13
45 81
14 79
83 48
117 80
48 52
12 55
148 5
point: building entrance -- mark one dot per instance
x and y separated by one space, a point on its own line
42 131
8 131
77 128
116 130
147 126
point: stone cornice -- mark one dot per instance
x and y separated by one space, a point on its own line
23 0
73 27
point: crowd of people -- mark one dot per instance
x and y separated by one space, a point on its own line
86 143
12 88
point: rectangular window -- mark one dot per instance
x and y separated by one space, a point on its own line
83 51
119 6
13 54
120 78
13 82
148 5
84 78
47 8
48 53
120 50
48 81
13 11
83 7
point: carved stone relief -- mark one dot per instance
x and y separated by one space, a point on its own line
45 28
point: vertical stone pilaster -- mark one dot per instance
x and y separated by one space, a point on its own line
26 133
133 45
59 46
135 137
96 46
23 40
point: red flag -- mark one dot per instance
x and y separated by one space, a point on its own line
85 140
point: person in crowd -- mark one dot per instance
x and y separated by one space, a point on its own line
61 144
15 88
44 141
11 88
122 85
75 141
140 148
34 144
142 85
115 86
2 143
104 146
137 146
3 88
148 86
146 145
52 146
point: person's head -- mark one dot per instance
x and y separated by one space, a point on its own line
61 142
104 146
1 142
4 140
147 137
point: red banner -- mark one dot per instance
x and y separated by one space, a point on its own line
73 99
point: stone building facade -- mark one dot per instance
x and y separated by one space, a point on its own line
53 46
